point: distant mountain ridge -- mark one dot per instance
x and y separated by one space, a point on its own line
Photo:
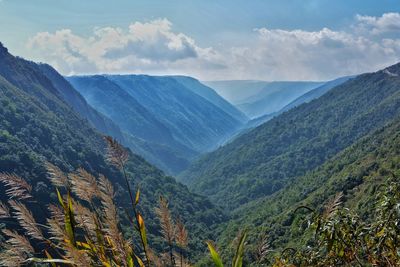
168 119
195 121
143 132
274 96
235 91
79 104
210 94
259 98
305 98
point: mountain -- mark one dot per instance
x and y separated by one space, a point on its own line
307 97
172 160
235 91
358 171
208 93
315 93
274 96
168 120
37 125
79 104
130 115
193 120
143 132
267 158
259 98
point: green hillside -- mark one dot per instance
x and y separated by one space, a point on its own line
358 172
266 159
36 125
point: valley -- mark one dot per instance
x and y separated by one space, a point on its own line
199 134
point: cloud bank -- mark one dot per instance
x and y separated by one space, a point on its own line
153 47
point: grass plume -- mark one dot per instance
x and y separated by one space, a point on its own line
16 249
4 211
26 220
167 226
17 187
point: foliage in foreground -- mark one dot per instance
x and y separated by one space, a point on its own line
346 239
84 228
340 237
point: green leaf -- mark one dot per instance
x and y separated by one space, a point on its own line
130 261
137 196
60 199
381 233
238 259
139 261
70 221
142 230
214 255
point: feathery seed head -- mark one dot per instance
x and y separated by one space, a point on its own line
16 186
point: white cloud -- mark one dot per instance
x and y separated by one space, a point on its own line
388 22
153 47
144 47
320 54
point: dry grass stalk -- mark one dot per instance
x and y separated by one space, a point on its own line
100 240
17 240
182 262
109 209
56 212
332 206
165 259
56 230
116 154
262 249
181 239
84 185
154 259
26 220
56 176
110 219
167 226
181 235
17 187
85 218
78 257
16 250
4 211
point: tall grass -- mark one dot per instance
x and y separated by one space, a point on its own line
83 228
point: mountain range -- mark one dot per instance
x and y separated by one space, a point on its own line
358 172
259 98
39 125
311 141
271 156
169 120
305 98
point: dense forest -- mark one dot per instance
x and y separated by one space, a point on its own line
317 185
38 126
359 172
266 159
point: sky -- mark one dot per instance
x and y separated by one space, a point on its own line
206 39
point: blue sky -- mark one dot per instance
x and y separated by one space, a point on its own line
208 39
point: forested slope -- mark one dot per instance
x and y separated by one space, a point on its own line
36 126
266 159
